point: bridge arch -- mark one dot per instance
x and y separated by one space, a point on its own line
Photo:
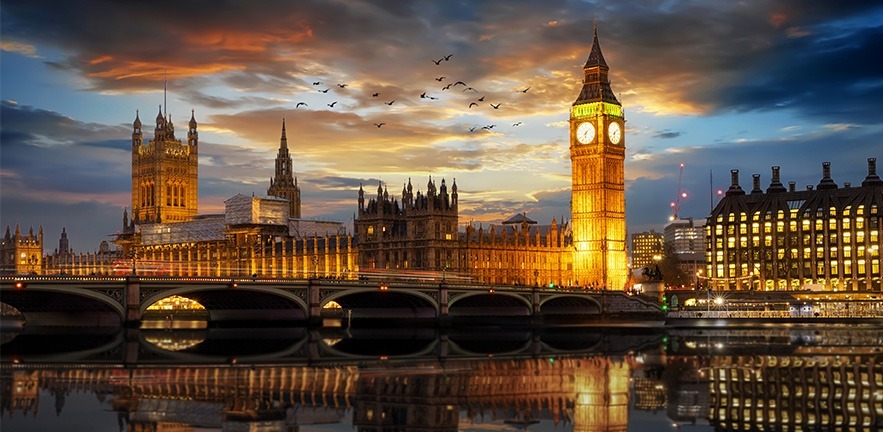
389 303
223 302
280 348
564 304
61 306
484 303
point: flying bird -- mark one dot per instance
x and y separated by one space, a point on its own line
390 102
472 129
332 104
433 98
324 91
375 95
423 95
438 62
470 88
525 90
481 99
516 124
460 82
379 124
446 87
317 83
342 85
473 104
448 57
497 106
300 103
439 79
488 127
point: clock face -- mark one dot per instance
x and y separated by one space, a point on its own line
585 133
615 132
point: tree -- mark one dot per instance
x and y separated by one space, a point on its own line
672 272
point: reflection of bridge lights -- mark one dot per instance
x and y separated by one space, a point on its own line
491 291
331 341
384 287
718 301
384 357
173 344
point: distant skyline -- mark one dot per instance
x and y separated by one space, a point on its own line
716 86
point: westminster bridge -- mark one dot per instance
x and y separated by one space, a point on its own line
98 301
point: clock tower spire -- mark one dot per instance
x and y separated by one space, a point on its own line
597 155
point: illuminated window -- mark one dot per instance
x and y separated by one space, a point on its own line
820 253
805 225
846 223
859 222
820 225
807 253
743 229
755 241
731 242
743 242
767 227
719 230
832 224
768 241
780 226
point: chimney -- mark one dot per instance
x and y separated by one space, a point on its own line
872 178
775 184
847 184
826 182
756 184
792 186
735 189
809 187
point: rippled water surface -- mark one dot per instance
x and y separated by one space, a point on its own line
614 378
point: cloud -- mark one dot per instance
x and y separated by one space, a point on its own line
667 134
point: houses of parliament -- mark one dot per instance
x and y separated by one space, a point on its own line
415 234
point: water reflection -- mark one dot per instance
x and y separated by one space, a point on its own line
675 380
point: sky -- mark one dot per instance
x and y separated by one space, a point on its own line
712 85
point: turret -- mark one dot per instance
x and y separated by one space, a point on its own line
63 244
192 134
735 189
756 184
361 198
826 182
776 184
872 178
137 136
454 194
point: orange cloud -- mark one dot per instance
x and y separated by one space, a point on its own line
138 69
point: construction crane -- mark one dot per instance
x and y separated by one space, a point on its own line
676 204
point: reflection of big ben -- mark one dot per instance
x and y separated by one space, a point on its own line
597 154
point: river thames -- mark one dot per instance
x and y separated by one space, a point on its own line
822 377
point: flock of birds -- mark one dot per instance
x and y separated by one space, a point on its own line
425 95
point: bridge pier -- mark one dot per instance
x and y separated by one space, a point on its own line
132 347
132 298
314 314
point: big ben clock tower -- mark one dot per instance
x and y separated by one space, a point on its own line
597 155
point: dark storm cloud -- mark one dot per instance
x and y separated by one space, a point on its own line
40 146
678 56
667 134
